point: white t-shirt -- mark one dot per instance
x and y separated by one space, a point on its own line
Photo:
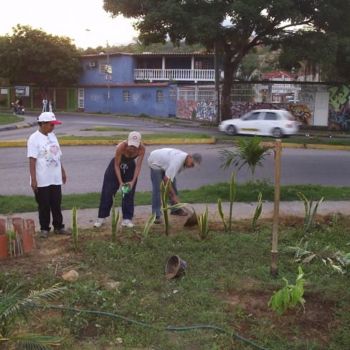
46 150
170 160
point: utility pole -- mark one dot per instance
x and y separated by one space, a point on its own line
217 83
108 72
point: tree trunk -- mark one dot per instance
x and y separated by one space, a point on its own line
229 70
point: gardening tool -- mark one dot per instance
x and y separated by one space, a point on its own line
192 217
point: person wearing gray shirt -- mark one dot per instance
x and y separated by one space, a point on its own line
165 164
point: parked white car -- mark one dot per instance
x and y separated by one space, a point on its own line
265 122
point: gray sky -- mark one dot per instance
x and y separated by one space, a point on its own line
84 21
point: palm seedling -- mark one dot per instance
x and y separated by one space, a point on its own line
203 224
257 212
14 305
164 190
148 225
249 152
310 211
115 221
75 233
222 215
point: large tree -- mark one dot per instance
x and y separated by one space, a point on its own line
232 27
30 56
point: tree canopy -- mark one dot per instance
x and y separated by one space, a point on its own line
30 56
234 27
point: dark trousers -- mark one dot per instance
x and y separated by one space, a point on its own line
49 202
110 187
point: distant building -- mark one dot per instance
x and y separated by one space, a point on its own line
145 83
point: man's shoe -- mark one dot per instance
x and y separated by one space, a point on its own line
99 222
127 223
61 231
158 220
179 212
44 234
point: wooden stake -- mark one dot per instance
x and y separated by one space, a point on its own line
274 250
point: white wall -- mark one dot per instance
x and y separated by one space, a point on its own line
321 108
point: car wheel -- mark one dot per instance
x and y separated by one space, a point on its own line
231 130
277 133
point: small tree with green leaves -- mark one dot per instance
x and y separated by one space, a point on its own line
289 296
14 305
249 152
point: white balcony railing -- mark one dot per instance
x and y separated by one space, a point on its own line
175 74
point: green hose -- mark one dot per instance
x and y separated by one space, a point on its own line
146 325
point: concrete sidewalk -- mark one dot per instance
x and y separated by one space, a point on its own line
86 217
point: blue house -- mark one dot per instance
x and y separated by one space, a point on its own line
135 84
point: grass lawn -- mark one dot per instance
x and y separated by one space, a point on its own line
128 303
7 118
247 192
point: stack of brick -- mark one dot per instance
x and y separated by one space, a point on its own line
16 237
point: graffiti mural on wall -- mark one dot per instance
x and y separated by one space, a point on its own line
206 111
185 108
198 110
339 107
301 112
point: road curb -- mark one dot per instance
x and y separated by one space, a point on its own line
206 141
169 141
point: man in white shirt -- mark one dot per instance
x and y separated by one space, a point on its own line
165 164
47 173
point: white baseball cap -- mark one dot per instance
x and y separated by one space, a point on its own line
46 117
134 139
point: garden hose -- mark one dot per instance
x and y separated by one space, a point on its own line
146 325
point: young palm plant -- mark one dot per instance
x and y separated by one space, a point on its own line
258 211
232 197
310 211
115 220
75 228
233 191
249 152
164 190
148 225
203 224
222 215
13 306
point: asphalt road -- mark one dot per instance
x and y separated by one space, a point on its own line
85 165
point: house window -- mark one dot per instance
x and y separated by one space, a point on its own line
126 96
103 68
81 96
159 96
204 63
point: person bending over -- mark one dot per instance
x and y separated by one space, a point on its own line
123 170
